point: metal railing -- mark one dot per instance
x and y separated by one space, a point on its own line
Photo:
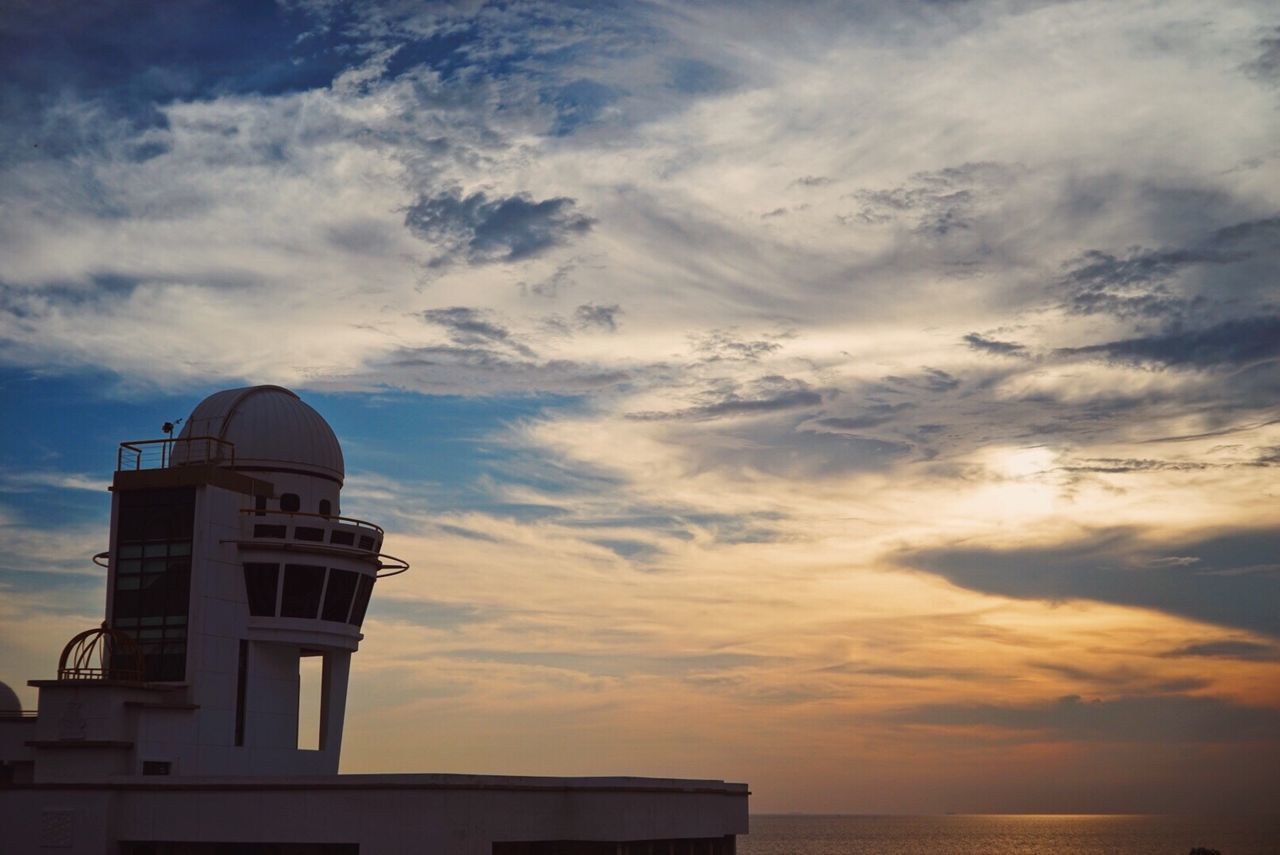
139 454
388 565
333 518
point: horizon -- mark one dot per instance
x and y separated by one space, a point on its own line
874 403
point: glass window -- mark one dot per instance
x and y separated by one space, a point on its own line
342 538
306 532
326 509
260 506
260 581
302 586
153 576
263 530
337 597
361 604
290 503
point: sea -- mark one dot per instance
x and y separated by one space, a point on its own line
792 834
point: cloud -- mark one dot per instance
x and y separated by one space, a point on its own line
1249 651
1143 283
873 415
811 181
991 345
718 345
1160 718
1233 582
1132 285
474 370
1123 465
468 327
514 228
1267 65
770 394
938 202
1229 343
591 315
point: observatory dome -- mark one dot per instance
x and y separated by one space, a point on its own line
9 702
271 429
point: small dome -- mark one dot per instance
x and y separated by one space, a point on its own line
271 428
9 702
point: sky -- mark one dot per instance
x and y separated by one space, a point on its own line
872 402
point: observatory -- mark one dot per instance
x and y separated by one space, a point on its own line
179 726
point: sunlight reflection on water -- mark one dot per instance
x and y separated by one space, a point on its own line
1008 835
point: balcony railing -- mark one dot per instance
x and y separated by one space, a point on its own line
178 451
327 531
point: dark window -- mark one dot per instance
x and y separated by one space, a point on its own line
366 541
342 538
151 596
261 530
337 597
302 586
326 508
304 532
260 506
363 591
242 680
260 585
156 767
290 503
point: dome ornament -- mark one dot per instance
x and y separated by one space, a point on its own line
102 653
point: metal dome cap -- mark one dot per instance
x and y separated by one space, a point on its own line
271 428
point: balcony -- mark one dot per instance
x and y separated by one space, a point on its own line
138 454
335 535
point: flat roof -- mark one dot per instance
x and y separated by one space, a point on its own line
412 781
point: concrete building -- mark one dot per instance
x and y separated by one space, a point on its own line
178 726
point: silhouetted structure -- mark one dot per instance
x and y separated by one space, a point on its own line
175 728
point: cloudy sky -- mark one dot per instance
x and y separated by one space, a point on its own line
873 402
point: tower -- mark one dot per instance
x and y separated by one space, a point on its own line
230 567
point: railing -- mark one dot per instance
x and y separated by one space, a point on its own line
389 565
351 521
17 714
179 451
349 528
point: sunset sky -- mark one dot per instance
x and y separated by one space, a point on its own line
876 403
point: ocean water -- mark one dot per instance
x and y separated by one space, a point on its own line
1008 835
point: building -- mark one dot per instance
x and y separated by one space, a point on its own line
179 727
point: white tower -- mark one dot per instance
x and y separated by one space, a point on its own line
229 566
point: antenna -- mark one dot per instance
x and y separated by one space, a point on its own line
165 450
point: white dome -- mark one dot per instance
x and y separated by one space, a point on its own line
271 428
9 702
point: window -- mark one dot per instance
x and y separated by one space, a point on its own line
290 503
151 595
310 700
156 767
363 590
326 509
366 541
242 680
306 532
342 538
260 506
303 584
260 583
337 596
262 530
